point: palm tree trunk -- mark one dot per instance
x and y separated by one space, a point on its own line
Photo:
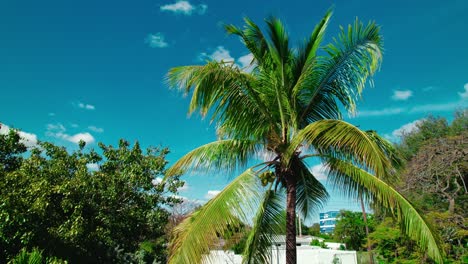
364 215
291 254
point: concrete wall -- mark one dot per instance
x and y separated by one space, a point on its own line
305 255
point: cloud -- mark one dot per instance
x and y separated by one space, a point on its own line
157 181
407 128
184 188
220 54
58 131
92 166
429 88
96 129
156 40
211 194
428 108
464 95
245 61
401 95
28 139
86 106
424 109
51 114
320 172
86 137
57 127
184 7
382 112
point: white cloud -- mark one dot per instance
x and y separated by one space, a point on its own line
157 181
211 194
92 166
184 188
424 109
86 106
156 40
382 112
58 131
86 137
28 139
184 7
464 95
96 129
403 130
401 95
429 88
320 172
429 108
55 127
220 54
245 62
407 128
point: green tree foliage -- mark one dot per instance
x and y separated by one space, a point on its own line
287 108
351 230
34 257
392 246
55 201
314 230
10 151
436 177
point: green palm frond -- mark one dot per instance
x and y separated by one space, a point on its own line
341 139
306 55
226 155
346 175
355 55
252 37
279 46
223 90
389 149
268 222
311 194
200 231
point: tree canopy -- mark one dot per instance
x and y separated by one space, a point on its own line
83 206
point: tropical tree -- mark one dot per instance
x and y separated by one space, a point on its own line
285 108
54 200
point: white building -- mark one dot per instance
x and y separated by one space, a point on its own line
306 254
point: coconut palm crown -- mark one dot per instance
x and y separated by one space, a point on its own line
284 109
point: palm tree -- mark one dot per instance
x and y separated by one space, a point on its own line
285 110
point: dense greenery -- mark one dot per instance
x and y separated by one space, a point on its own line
284 109
350 229
435 179
83 206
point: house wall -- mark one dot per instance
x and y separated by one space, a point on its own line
305 255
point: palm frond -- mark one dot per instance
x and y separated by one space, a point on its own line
355 55
268 222
307 53
227 93
226 155
310 193
341 139
279 47
346 175
200 231
252 37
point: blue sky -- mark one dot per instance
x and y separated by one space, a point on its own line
95 70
